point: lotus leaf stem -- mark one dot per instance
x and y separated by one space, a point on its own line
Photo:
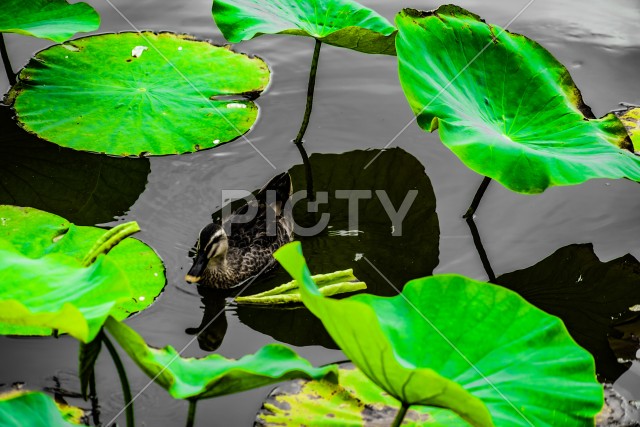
191 418
311 195
480 248
93 396
476 199
5 60
310 89
108 240
400 415
124 381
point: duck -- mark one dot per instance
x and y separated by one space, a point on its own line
233 251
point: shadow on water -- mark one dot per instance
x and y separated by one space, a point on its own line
597 301
382 254
84 188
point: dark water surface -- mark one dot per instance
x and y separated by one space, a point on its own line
358 105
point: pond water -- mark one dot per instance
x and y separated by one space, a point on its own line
358 105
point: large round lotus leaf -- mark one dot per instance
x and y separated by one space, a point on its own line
139 93
504 105
343 23
448 341
85 188
214 375
56 20
354 402
44 285
34 409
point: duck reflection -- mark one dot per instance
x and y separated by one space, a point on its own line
213 326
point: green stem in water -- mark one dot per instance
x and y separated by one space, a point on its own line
191 418
5 60
126 390
310 89
93 396
397 421
476 199
311 196
108 240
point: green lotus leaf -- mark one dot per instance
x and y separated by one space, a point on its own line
56 20
504 105
35 409
589 295
84 188
329 284
214 375
343 23
630 118
45 285
452 342
355 401
139 93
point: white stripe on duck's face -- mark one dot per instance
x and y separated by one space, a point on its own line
217 244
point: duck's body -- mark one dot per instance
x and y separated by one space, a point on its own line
232 252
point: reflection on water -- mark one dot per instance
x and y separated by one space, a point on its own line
370 250
401 251
359 104
590 296
213 327
83 188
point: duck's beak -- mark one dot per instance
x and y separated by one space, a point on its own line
199 265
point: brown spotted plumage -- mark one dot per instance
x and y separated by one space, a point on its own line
234 251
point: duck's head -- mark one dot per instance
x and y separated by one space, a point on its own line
211 251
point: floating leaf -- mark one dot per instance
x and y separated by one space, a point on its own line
630 118
214 375
56 20
45 286
453 342
329 284
176 97
34 409
84 188
587 294
504 105
343 23
354 401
